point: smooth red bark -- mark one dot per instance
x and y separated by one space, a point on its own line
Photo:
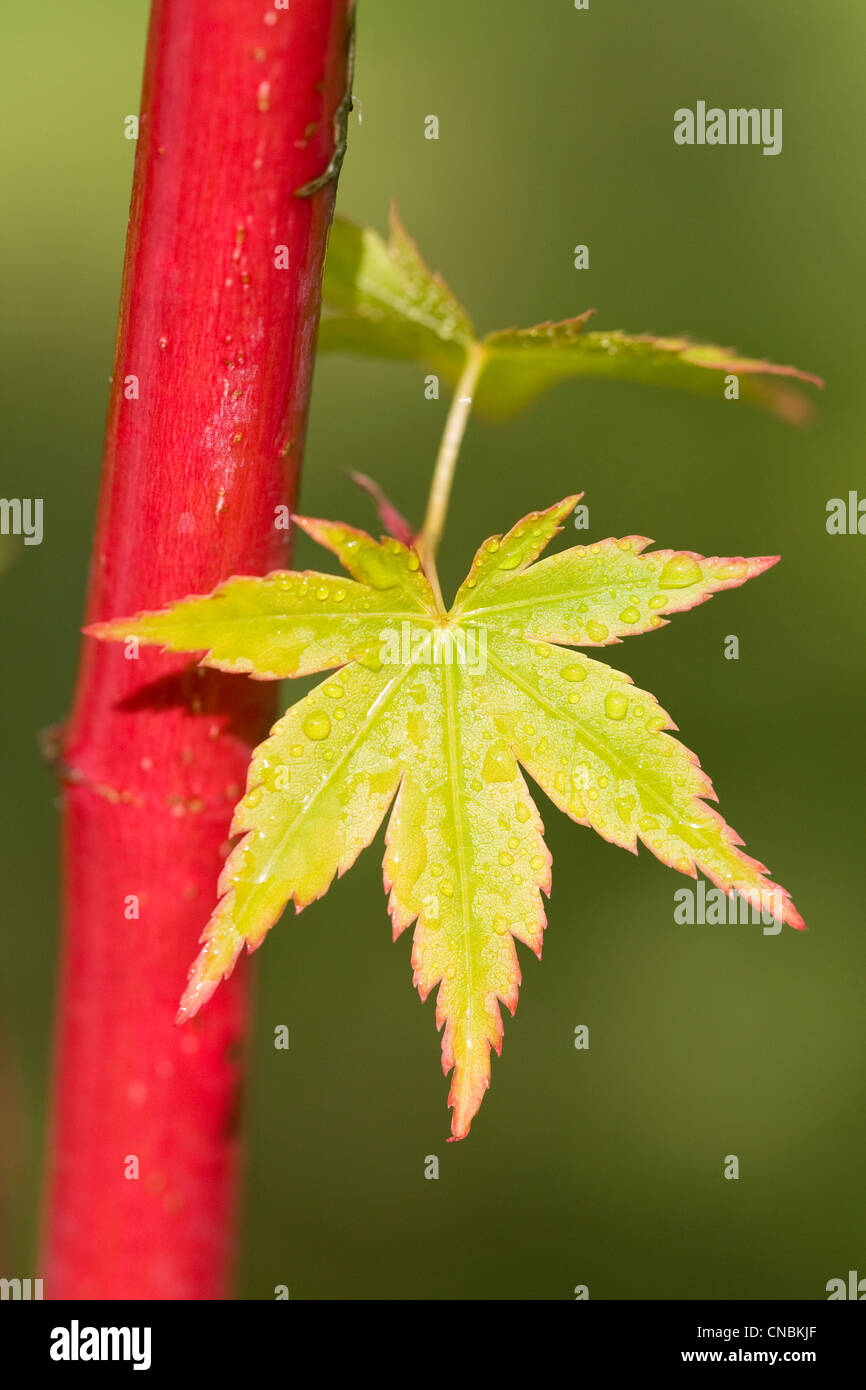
237 113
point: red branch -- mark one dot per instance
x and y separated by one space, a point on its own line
205 431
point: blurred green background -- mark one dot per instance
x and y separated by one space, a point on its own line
601 1167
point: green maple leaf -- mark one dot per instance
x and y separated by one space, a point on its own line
441 714
382 300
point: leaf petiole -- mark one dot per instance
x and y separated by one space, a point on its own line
446 461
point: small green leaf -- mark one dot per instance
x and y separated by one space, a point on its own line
524 362
442 714
382 300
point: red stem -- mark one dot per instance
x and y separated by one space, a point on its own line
236 114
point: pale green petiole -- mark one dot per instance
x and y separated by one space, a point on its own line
446 461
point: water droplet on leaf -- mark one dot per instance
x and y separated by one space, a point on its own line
680 572
498 764
317 725
616 704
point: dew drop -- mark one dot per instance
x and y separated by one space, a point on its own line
334 689
321 593
447 889
655 723
296 750
317 725
625 805
658 601
522 812
498 764
492 546
629 615
339 595
616 704
559 782
511 559
596 630
376 571
505 859
732 570
412 561
513 842
680 572
500 926
573 673
537 862
252 799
